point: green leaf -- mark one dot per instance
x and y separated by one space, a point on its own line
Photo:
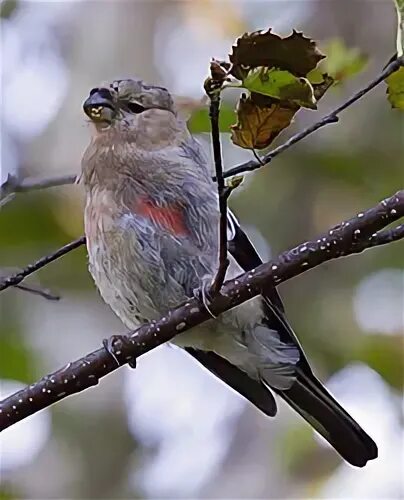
281 85
199 121
395 89
341 63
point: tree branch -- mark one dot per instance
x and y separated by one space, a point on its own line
16 278
362 231
214 110
387 236
330 118
36 290
5 273
13 185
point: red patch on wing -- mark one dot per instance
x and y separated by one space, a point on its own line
170 217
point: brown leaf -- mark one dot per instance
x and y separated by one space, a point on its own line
296 53
259 123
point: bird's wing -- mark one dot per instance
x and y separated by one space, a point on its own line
307 395
243 251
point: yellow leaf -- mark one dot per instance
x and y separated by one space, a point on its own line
257 126
395 89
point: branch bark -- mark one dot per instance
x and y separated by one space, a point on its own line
13 185
37 290
353 236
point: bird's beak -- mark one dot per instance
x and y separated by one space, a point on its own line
99 106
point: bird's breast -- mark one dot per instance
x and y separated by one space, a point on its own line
116 261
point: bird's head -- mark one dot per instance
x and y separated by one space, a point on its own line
140 112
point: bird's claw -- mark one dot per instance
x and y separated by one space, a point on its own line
204 294
109 345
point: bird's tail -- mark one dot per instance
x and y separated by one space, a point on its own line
316 405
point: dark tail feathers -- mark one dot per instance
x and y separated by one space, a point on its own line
316 405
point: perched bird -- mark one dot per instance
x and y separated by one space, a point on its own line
151 222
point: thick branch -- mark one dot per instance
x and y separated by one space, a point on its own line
16 278
344 239
330 118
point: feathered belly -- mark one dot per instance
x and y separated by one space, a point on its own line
126 262
133 278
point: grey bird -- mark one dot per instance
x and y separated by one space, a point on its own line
151 223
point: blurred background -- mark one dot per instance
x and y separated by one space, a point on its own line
169 429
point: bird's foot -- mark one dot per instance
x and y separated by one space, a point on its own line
205 295
113 345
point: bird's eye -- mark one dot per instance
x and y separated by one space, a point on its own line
134 107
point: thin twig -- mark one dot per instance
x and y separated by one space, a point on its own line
13 185
342 240
29 184
383 237
36 290
16 278
330 118
223 194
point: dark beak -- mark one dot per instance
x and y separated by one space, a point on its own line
99 106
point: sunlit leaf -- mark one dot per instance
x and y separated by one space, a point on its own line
260 118
273 69
257 126
282 85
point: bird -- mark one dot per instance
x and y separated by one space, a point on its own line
151 222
